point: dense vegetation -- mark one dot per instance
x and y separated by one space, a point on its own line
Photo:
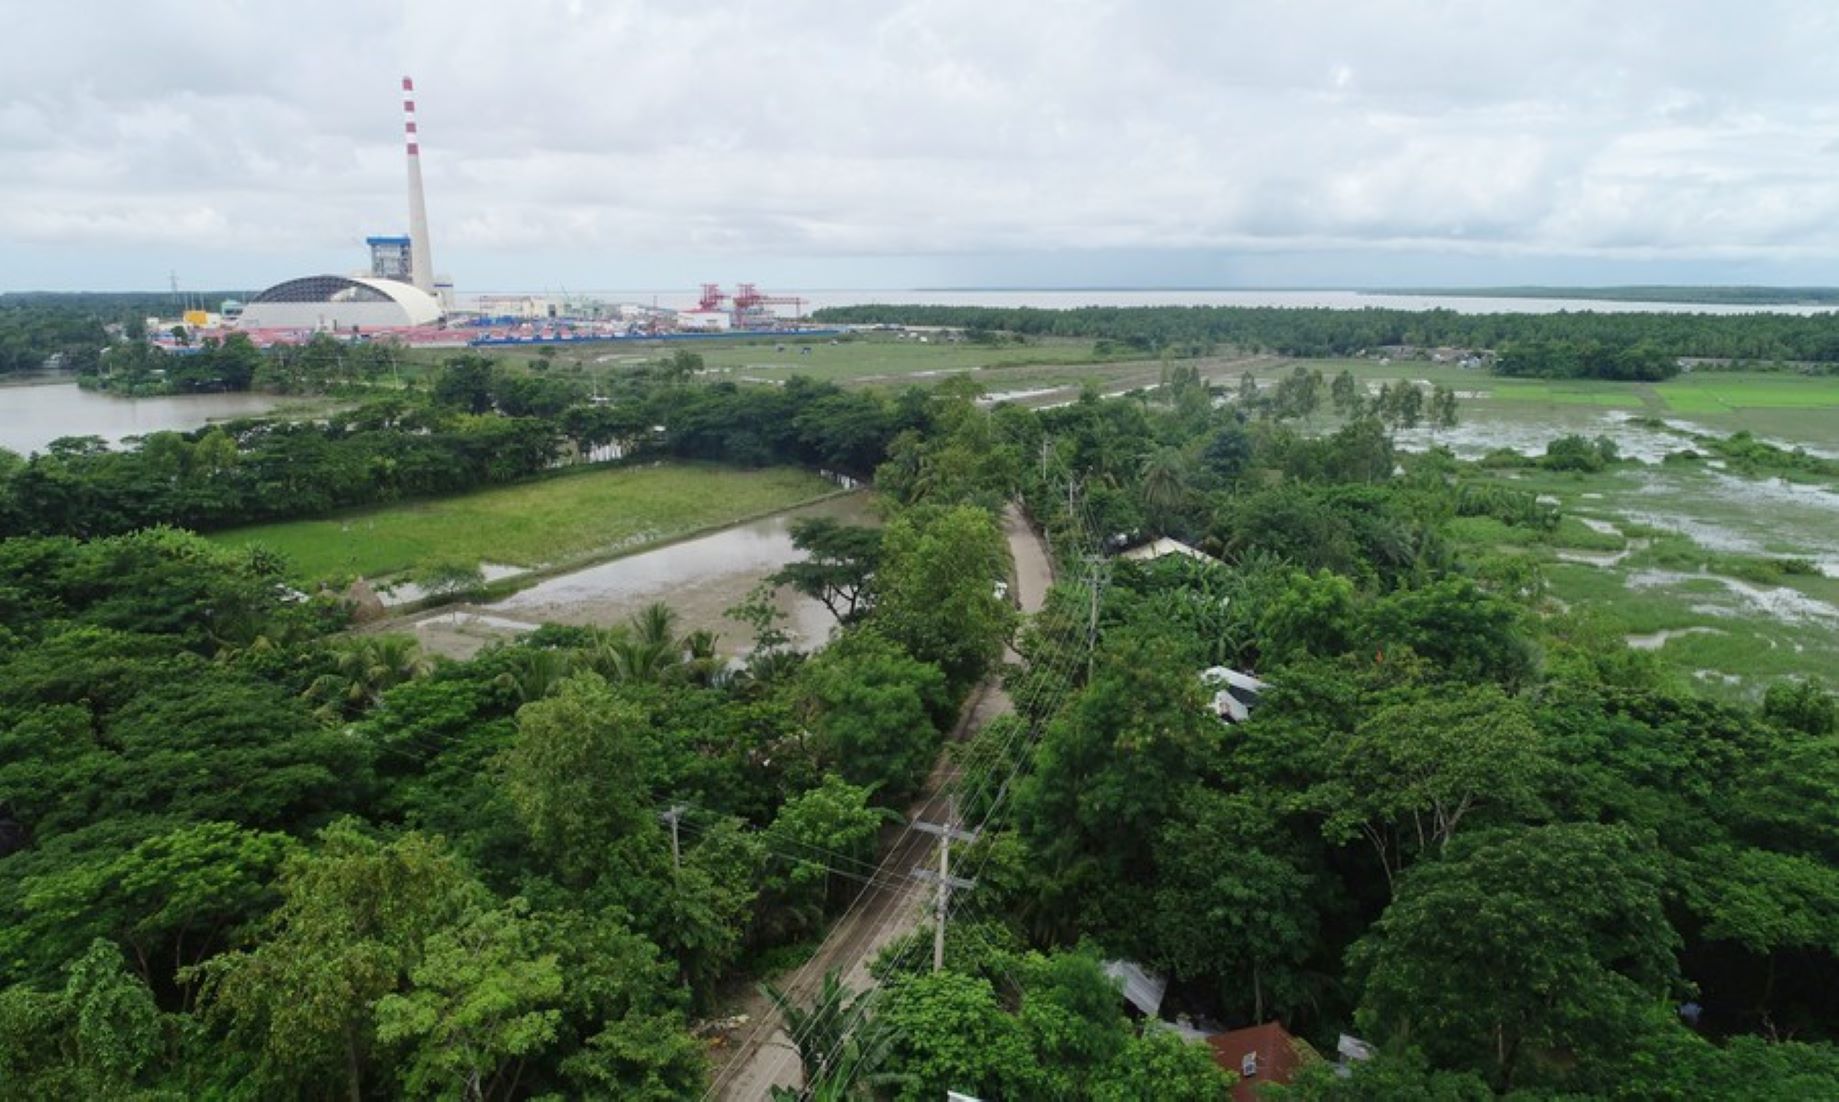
484 426
34 339
1737 295
242 855
1585 360
66 332
1482 834
1326 332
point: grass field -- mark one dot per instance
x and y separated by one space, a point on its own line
885 358
866 358
533 524
1796 408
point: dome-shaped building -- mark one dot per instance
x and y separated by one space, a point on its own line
341 303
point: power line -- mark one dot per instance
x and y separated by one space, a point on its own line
1039 687
1030 728
1027 731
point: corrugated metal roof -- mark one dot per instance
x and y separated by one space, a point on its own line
1142 989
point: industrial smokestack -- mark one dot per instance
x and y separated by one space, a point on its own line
421 267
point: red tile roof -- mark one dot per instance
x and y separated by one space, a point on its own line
1277 1056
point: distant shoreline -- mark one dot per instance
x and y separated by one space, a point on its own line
1680 293
1660 293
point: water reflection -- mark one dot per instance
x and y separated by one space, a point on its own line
31 417
700 579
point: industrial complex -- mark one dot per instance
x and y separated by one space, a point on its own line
399 297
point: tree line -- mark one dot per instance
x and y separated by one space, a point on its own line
477 425
1332 332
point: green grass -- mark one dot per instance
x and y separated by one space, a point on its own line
1796 407
1574 533
544 522
874 358
869 359
1725 392
1733 530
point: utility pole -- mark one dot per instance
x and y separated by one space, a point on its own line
943 878
1093 565
673 817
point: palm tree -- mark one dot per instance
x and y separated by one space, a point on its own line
600 654
704 663
364 668
534 674
655 623
838 1043
638 661
644 650
395 659
1164 481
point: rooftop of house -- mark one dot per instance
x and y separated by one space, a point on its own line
1258 1054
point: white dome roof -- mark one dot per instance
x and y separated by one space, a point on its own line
341 302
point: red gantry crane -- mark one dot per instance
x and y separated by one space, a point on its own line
751 307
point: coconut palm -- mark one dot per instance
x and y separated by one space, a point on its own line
1164 481
637 661
703 663
364 668
534 673
651 649
655 623
839 1043
599 653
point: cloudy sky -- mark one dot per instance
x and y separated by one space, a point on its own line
602 144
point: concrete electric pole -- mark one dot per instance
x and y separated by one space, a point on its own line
673 817
943 878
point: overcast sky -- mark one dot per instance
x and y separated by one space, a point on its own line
601 144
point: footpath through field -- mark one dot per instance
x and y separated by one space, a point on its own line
763 1056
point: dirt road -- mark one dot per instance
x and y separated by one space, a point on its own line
761 1055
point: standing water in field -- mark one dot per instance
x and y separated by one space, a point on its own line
700 579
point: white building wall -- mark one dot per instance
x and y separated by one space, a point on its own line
325 315
703 321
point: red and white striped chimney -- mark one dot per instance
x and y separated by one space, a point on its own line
421 266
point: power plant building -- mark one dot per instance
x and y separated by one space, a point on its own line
391 258
400 291
341 303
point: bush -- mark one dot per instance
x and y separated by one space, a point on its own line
449 578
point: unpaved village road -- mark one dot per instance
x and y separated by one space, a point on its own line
762 1055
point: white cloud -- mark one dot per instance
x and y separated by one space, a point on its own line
579 131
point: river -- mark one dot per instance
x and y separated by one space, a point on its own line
33 415
680 298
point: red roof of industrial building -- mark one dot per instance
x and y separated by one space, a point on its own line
1278 1053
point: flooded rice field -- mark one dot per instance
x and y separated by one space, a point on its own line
1685 530
699 578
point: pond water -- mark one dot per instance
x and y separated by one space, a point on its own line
699 578
34 415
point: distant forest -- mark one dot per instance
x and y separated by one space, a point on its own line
1324 332
1697 296
38 325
